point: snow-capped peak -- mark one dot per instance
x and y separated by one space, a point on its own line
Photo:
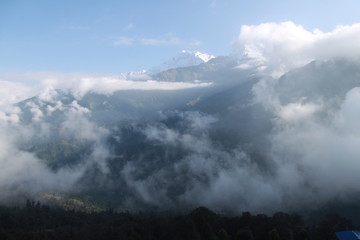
203 56
184 59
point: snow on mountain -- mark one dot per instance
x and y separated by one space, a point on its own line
135 76
184 59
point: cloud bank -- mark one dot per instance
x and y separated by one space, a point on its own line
20 86
314 140
312 157
279 47
56 127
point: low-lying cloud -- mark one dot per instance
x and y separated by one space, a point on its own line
27 85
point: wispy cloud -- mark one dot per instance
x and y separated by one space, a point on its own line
195 42
164 40
213 4
160 41
129 26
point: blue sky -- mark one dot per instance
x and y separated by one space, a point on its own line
118 36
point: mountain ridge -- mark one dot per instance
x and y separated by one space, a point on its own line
184 59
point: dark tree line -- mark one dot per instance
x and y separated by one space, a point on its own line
36 221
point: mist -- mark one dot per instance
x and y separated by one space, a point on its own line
275 130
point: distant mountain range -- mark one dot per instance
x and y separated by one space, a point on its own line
230 141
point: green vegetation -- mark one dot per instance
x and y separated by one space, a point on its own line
68 203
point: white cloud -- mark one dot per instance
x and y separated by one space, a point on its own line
279 47
129 26
22 172
160 41
315 135
168 39
213 4
349 114
195 42
78 126
294 112
10 115
13 92
36 111
80 84
108 85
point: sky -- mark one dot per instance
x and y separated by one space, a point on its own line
114 36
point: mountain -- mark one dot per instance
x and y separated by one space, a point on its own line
217 69
220 73
184 59
125 125
243 142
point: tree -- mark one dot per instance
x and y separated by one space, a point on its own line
244 234
223 235
274 234
301 234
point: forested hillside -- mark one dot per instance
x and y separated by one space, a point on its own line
36 221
